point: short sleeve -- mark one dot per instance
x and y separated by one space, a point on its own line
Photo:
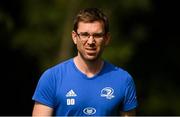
45 90
130 99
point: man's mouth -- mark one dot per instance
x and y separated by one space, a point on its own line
91 50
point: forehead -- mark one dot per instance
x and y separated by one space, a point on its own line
96 26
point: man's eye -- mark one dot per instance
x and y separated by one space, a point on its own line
85 34
98 35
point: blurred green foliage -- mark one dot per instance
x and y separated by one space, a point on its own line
47 26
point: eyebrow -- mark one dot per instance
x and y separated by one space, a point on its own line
92 33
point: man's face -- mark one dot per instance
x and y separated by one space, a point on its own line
90 39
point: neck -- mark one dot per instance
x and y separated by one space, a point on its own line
90 68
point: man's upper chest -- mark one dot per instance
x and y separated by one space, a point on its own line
78 91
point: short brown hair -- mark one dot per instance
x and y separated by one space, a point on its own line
91 15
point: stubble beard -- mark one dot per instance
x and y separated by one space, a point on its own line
89 59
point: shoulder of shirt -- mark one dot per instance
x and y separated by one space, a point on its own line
53 73
58 66
115 67
118 70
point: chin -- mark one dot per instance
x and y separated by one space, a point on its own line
91 58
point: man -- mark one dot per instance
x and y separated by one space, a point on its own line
86 85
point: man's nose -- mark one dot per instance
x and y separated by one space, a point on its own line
91 40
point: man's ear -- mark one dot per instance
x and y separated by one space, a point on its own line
107 38
74 36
